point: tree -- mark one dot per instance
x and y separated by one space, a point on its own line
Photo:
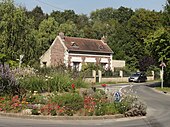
38 15
159 45
69 29
144 22
166 15
103 15
48 30
62 17
16 33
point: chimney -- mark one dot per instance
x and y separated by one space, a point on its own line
104 39
61 34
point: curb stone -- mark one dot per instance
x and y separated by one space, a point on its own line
17 115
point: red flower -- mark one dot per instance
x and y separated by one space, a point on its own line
103 85
73 86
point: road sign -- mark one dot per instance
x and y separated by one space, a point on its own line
162 64
117 96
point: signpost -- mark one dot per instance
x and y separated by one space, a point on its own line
162 74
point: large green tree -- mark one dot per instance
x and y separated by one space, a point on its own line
38 15
45 35
159 45
16 35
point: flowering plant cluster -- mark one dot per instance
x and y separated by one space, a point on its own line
89 105
52 109
103 85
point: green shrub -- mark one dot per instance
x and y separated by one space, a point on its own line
53 112
110 109
100 109
36 99
72 101
33 83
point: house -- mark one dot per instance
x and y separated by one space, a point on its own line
74 51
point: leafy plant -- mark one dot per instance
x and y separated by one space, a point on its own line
72 101
35 111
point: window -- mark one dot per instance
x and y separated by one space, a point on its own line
44 64
104 65
76 66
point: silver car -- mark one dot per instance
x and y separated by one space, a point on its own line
138 77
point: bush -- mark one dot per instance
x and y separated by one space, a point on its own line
131 106
100 109
35 111
33 83
72 101
110 109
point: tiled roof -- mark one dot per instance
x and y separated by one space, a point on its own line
86 45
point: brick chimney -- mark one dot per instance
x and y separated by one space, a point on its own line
61 34
104 39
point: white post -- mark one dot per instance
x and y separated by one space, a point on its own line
162 77
20 60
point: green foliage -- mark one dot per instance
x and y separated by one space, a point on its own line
16 32
46 34
72 101
100 109
33 83
159 44
111 109
35 111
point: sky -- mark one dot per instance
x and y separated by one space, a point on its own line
87 6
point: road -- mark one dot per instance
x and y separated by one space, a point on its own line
158 114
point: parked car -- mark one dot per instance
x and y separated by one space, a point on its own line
138 77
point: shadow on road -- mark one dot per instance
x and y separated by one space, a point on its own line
157 84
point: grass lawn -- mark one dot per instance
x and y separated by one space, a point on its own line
165 89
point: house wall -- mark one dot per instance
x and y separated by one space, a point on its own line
118 63
57 53
46 58
88 58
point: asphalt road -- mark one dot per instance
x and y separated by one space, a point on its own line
158 114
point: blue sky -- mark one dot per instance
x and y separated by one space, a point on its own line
87 6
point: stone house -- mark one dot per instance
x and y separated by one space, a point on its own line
74 51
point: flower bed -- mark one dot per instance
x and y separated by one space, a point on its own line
68 104
59 95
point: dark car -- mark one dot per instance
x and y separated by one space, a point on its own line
138 77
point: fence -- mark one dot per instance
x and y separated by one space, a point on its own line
110 77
